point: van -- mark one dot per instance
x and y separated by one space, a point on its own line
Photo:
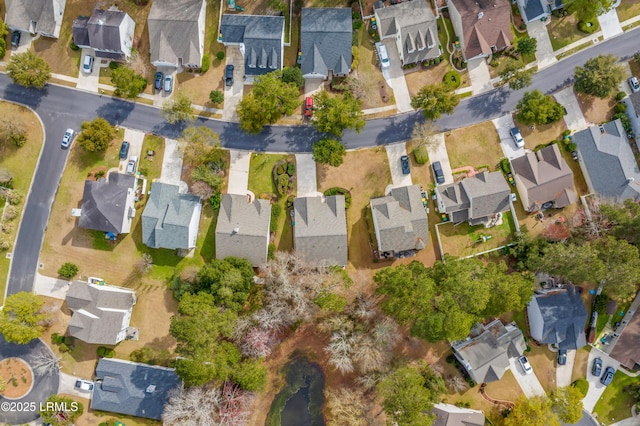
382 55
87 65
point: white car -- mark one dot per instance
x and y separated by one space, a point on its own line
84 385
524 362
634 84
131 165
87 64
517 137
382 55
66 139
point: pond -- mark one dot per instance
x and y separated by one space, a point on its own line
300 401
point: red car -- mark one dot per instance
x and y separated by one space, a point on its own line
308 107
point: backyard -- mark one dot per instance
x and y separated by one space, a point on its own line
462 239
615 404
476 146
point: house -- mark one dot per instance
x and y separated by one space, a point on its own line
132 388
170 220
108 32
37 17
482 26
626 347
243 228
176 33
100 313
478 199
485 354
544 179
400 221
108 206
451 415
320 231
414 29
325 40
607 162
558 316
533 10
260 40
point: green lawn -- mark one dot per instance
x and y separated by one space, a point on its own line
474 146
465 240
151 167
442 24
628 9
564 31
260 180
615 404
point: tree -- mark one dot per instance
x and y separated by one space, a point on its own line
145 263
335 114
270 99
515 75
29 70
202 147
329 151
435 100
621 267
216 97
4 32
424 134
60 410
127 82
68 270
13 131
587 10
567 404
178 109
251 375
96 135
229 280
623 221
526 45
6 178
533 411
22 318
293 75
578 263
633 390
537 108
599 77
346 407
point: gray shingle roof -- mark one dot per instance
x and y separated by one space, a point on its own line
450 415
46 14
320 231
243 228
608 163
558 316
400 220
262 37
415 24
533 9
101 32
325 39
108 206
131 388
545 176
486 355
101 314
167 216
175 33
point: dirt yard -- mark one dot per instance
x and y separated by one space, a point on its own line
474 146
368 72
540 134
596 110
416 80
17 376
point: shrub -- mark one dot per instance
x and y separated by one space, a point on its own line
436 61
114 65
74 46
63 348
421 154
340 191
216 97
215 200
626 123
355 39
109 353
101 351
330 301
290 199
144 355
280 170
620 108
271 251
452 80
505 166
572 147
10 213
291 169
68 270
13 197
276 209
206 63
620 96
523 26
588 27
220 55
282 184
566 133
357 25
600 304
582 385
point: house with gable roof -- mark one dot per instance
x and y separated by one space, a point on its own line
325 42
108 205
108 32
451 415
37 17
533 10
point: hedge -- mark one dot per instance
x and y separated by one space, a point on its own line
452 80
340 191
206 63
588 27
276 210
582 385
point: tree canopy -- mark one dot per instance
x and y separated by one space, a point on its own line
54 415
435 100
623 220
537 108
22 319
293 75
29 70
526 45
533 411
178 109
96 135
587 10
127 82
515 75
329 151
600 76
567 404
335 114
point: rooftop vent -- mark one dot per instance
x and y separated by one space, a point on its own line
631 180
151 389
236 230
601 128
480 15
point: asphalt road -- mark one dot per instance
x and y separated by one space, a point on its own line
60 107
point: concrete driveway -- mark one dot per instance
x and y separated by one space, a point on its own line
51 287
239 172
574 119
596 388
89 81
68 386
394 152
438 152
312 86
306 173
172 165
396 78
610 24
479 76
25 42
135 139
233 94
563 372
529 383
504 125
160 96
544 51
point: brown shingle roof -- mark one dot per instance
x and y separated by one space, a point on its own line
626 349
485 23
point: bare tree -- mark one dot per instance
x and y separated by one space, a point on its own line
45 364
423 134
257 342
457 384
368 381
340 349
346 407
202 189
363 308
145 263
368 355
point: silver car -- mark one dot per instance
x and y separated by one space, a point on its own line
634 84
524 362
66 139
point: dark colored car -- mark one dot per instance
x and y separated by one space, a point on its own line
562 357
596 368
15 39
437 171
404 160
228 75
308 107
607 377
159 78
124 150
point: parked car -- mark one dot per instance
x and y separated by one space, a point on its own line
404 160
168 83
308 107
634 84
131 165
228 75
517 137
437 172
562 357
382 55
596 368
15 39
84 385
87 64
66 139
124 150
607 377
159 78
524 362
